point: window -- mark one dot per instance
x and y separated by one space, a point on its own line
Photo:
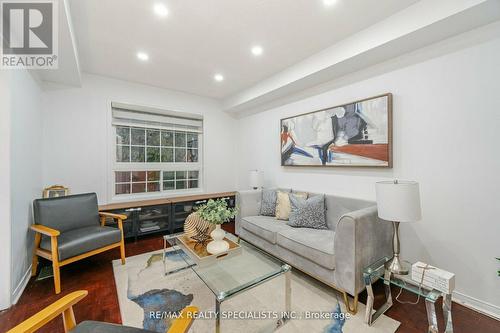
155 152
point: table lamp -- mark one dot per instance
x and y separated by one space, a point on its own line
398 201
256 179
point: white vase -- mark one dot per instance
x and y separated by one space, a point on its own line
218 245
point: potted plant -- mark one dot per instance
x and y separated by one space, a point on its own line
498 271
217 212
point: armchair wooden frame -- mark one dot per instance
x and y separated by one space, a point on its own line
64 307
53 254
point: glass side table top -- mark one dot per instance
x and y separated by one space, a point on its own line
377 271
231 275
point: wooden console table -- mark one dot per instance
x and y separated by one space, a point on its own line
166 215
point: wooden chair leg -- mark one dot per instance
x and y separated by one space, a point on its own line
57 277
34 262
55 264
122 251
69 319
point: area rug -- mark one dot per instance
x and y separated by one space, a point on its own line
148 299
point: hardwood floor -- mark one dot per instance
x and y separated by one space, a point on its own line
95 274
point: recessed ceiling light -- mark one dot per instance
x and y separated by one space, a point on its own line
142 56
257 50
329 3
219 77
160 10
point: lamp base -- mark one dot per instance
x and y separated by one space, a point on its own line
396 266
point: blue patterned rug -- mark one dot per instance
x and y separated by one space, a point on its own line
150 300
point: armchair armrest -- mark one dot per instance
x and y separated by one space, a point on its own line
114 216
248 204
360 239
118 217
184 321
45 230
62 306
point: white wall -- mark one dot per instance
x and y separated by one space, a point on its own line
21 178
26 172
75 122
5 250
446 125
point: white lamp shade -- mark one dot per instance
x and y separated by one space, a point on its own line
256 178
398 201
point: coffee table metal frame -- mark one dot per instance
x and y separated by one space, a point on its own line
172 240
377 271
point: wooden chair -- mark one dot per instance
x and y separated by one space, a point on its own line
64 307
71 228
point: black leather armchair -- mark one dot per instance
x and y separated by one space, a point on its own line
71 228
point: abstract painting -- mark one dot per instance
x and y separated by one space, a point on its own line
357 134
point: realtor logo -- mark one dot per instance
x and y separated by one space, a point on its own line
29 34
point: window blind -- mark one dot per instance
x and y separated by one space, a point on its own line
139 116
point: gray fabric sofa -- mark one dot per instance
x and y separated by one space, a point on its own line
354 239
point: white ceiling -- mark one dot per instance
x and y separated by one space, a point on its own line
202 37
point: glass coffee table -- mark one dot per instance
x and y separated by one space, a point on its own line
377 271
230 276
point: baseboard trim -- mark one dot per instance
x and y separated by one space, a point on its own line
475 304
16 294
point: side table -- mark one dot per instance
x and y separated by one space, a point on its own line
377 271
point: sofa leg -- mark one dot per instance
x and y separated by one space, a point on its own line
354 309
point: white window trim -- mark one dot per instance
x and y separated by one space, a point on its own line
112 166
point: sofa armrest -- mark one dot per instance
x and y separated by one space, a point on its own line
360 239
248 204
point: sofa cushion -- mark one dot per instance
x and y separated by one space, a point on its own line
268 205
283 206
313 244
263 226
90 326
307 213
74 242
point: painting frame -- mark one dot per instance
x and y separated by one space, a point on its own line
389 150
55 191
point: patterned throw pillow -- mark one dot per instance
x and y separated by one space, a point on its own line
268 205
308 213
283 207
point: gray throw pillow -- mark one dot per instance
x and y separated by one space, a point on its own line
308 213
268 205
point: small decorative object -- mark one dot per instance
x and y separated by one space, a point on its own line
217 212
200 255
194 223
202 237
354 134
218 244
498 271
398 201
55 191
256 179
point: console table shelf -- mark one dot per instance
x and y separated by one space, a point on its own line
165 216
